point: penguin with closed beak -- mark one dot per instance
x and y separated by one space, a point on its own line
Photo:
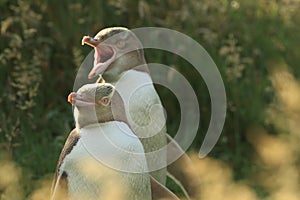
102 158
99 152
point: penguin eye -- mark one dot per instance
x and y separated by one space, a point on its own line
104 101
120 44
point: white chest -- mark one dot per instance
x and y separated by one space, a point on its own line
143 107
103 162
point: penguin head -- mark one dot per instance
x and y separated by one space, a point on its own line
97 94
93 102
117 49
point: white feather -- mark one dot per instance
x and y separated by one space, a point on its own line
142 104
93 166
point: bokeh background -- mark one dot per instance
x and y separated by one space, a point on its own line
255 44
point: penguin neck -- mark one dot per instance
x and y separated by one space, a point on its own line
116 113
113 78
86 118
82 122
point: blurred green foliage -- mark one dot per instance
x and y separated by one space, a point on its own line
40 53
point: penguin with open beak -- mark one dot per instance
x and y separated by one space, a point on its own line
119 58
98 160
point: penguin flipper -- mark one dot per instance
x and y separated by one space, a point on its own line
159 191
60 180
182 171
60 190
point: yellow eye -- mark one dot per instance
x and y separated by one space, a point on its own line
120 44
105 101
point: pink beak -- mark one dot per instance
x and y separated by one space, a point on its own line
78 100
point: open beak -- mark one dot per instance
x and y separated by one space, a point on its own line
79 100
104 55
90 41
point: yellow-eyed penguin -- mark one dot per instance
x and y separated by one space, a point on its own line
120 59
97 138
99 145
